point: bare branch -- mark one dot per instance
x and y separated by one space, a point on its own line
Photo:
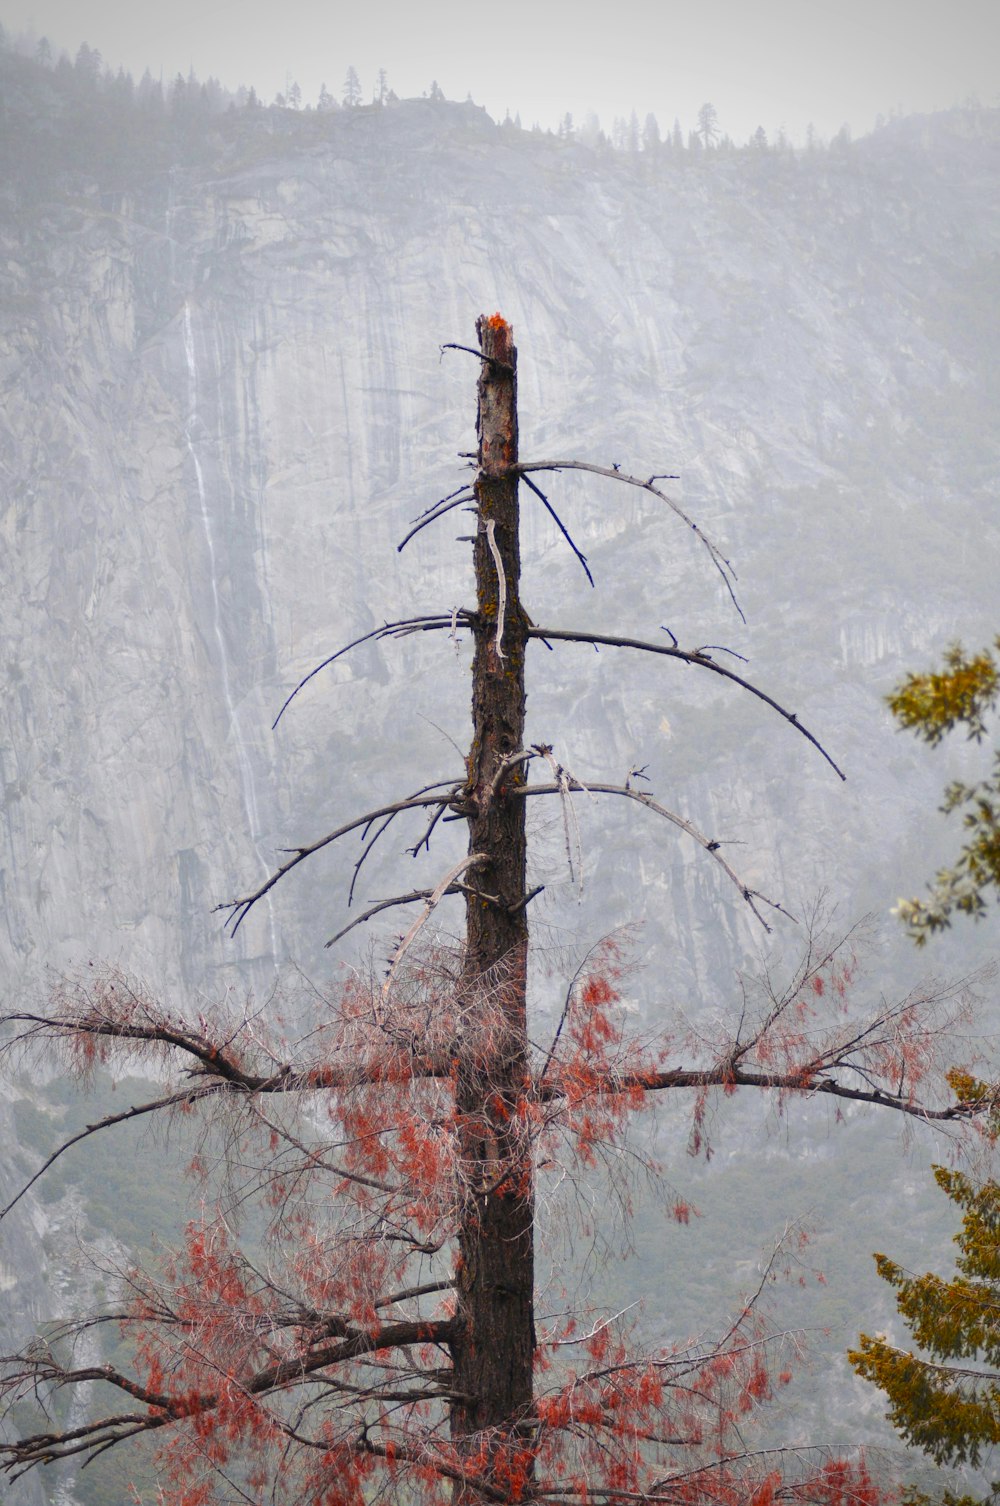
440 510
240 908
687 656
402 629
170 1100
719 560
471 860
402 899
471 351
711 846
560 525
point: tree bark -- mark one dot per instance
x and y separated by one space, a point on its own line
494 1351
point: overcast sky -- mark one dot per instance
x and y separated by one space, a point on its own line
760 62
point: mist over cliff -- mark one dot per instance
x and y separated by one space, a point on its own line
224 400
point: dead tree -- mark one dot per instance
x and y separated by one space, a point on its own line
395 1337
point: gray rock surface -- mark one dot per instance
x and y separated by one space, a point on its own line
223 401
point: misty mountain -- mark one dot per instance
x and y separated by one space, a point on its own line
224 401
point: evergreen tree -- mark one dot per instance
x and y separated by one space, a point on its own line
946 1399
707 129
932 705
352 88
88 66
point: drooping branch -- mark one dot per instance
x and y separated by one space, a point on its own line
560 525
137 1111
429 623
719 560
711 846
697 656
385 821
439 510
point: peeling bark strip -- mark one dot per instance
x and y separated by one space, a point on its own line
501 586
494 1350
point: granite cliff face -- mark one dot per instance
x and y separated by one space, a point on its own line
223 401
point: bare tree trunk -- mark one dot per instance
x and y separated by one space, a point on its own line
494 1352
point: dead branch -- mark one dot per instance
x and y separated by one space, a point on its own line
501 585
471 351
402 629
168 1101
303 1367
471 860
711 846
425 840
560 525
687 656
797 1081
439 510
240 908
404 899
719 560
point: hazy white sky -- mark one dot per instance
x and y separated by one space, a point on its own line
760 62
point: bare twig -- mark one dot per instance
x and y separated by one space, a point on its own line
439 510
425 840
564 1014
560 525
170 1100
460 492
719 560
240 908
687 656
403 899
370 842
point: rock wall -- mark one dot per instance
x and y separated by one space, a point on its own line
224 400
